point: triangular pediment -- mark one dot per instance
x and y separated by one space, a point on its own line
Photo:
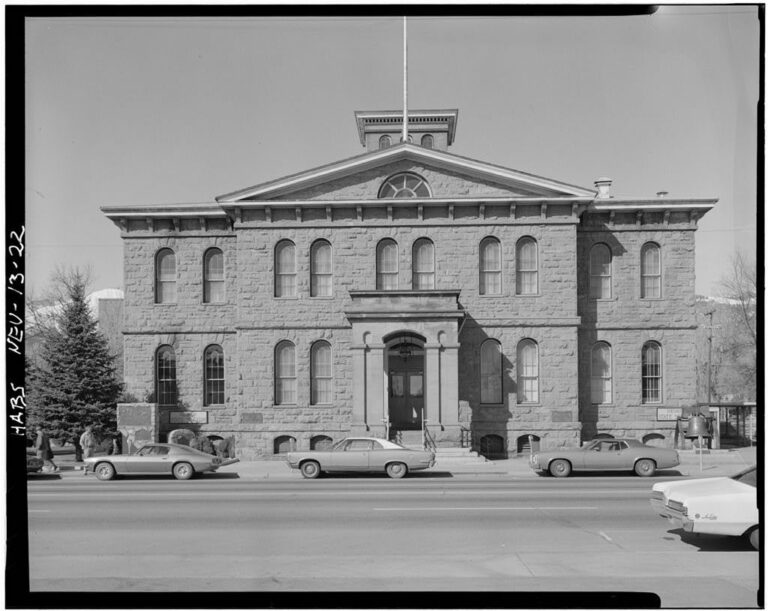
448 176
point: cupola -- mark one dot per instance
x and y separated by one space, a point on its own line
380 129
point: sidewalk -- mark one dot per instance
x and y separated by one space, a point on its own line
716 463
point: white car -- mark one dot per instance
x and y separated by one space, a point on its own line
715 505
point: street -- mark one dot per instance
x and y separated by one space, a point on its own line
423 533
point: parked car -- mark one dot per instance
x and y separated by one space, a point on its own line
713 505
156 459
605 455
362 454
34 464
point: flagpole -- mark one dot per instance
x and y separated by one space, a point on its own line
405 80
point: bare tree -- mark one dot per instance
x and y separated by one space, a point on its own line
741 286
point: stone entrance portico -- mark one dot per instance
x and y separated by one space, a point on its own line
419 324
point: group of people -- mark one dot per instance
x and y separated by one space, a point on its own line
88 442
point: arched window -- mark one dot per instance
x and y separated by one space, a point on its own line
652 372
490 372
527 262
213 276
490 267
600 272
165 276
214 375
321 443
285 374
650 271
165 377
404 185
423 264
601 373
285 269
321 370
427 141
321 269
386 265
385 142
527 372
284 444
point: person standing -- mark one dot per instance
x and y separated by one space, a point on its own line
43 449
88 442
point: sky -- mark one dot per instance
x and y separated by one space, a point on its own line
142 111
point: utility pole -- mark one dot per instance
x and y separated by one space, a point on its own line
709 362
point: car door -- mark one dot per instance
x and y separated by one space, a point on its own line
624 455
378 456
151 460
352 456
598 456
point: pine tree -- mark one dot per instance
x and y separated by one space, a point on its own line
73 384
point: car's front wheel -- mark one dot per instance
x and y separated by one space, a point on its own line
310 469
396 470
645 467
560 468
104 471
183 470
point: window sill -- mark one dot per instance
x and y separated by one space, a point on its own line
173 303
529 295
293 298
534 404
651 299
214 303
321 297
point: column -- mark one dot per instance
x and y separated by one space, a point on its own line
449 373
432 383
375 396
359 399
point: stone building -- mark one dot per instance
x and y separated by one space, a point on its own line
408 288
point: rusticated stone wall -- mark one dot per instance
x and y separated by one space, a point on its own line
560 318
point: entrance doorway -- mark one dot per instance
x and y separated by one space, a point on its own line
406 385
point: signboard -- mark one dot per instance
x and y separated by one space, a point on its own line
189 417
669 413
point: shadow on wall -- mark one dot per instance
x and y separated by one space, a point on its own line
487 422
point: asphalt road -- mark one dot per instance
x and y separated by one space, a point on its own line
422 533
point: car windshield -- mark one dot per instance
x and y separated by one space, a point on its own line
748 477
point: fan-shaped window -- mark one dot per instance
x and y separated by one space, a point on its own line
285 374
427 141
321 269
490 267
650 271
285 269
165 276
214 375
601 373
403 186
423 264
213 276
600 272
321 373
652 375
527 261
165 378
385 142
527 372
386 265
490 372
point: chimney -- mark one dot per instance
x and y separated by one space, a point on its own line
603 186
